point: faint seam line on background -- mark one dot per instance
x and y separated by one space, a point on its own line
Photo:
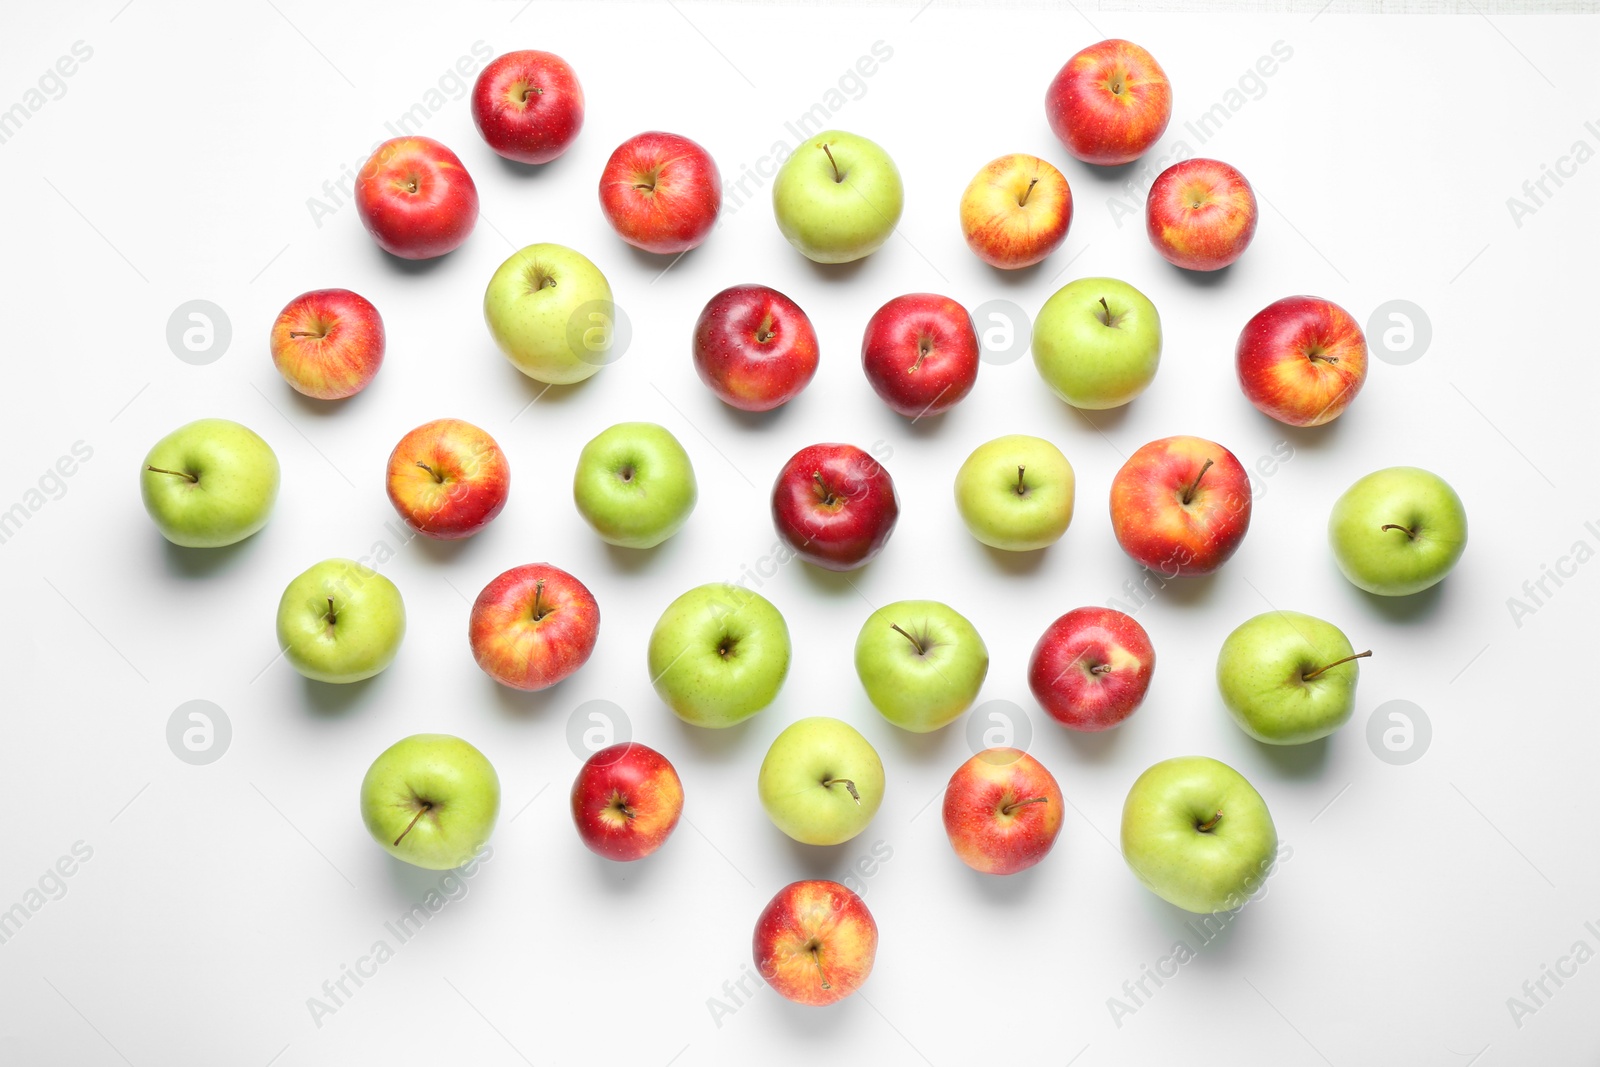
708 41
1070 262
1503 837
519 12
120 10
458 592
1320 10
303 837
303 436
1084 415
677 1055
309 41
1077 1056
719 852
487 1023
1079 12
932 402
269 263
702 433
87 1023
129 804
1329 804
96 229
286 1045
1472 1057
531 799
1470 262
532 402
96 629
920 10
1285 1018
1507 40
490 223
129 404
268 667
1303 237
895 1028
925 807
669 266
1469 663
1068 801
1503 436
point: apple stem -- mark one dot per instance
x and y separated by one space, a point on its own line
1015 804
922 649
1027 191
1107 318
816 955
176 474
847 783
1409 532
332 616
1022 490
1188 494
538 600
837 177
621 805
318 334
1100 668
828 499
427 806
764 332
1210 824
1335 663
924 346
438 476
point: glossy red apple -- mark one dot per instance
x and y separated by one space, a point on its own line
754 348
1180 506
661 192
415 198
815 942
328 343
626 801
1090 668
1002 811
920 353
1201 214
533 626
1301 360
1109 103
528 105
447 479
834 505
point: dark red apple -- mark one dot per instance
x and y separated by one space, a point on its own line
834 505
754 347
415 198
920 352
1091 668
661 192
626 801
528 105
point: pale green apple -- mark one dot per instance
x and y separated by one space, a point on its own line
838 197
1398 531
821 782
1016 493
1097 342
719 654
1288 678
635 485
339 621
550 311
431 800
210 483
921 663
1198 835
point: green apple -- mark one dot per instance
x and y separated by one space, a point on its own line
635 485
1288 678
1016 493
339 621
838 197
431 800
210 483
1398 531
921 663
821 782
1198 835
1097 342
550 311
719 654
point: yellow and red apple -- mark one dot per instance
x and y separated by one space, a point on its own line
1002 811
533 626
1180 506
1201 214
1301 360
447 479
815 942
328 343
1109 103
1016 211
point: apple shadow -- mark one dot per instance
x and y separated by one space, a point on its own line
521 703
318 409
410 882
722 744
1098 746
1190 590
543 393
925 748
924 426
442 553
759 421
528 171
821 861
1311 438
833 583
1002 890
1112 176
1018 277
411 268
1406 610
1016 564
203 563
614 877
1202 279
639 560
837 273
656 264
1297 761
331 700
1103 419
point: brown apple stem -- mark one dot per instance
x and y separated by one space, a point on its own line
1100 668
816 956
175 474
1188 494
1211 824
1335 663
764 332
1021 488
924 346
309 333
1409 532
438 476
828 499
427 806
918 645
1027 191
622 806
332 616
837 177
538 600
1015 804
847 783
1107 317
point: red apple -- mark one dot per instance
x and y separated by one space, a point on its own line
1016 211
834 505
447 479
1201 214
1109 103
754 347
1180 505
415 198
661 192
1002 811
1091 667
328 343
1301 360
528 105
533 626
626 801
815 942
920 352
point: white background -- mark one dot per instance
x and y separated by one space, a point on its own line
178 165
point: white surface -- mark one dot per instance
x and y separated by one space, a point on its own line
1419 899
